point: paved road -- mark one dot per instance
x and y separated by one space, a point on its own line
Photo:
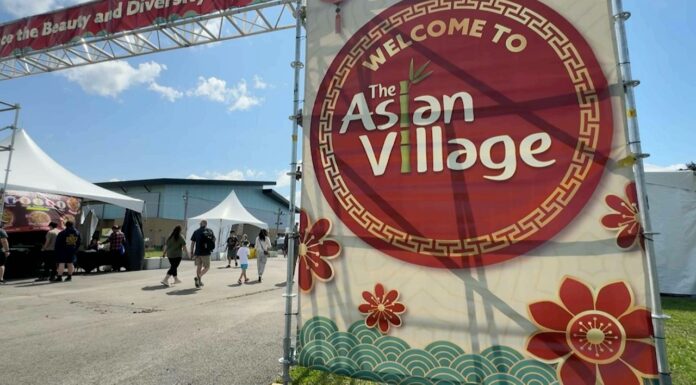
126 328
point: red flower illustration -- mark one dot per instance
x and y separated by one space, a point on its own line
315 251
600 335
625 218
382 308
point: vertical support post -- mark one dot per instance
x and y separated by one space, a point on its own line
186 202
9 159
288 354
279 213
620 17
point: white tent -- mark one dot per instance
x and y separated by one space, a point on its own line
222 217
672 198
33 170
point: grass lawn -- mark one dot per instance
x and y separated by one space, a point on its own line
153 254
681 339
681 349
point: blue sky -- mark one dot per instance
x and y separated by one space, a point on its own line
221 111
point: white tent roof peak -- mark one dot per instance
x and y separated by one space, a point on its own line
232 210
33 170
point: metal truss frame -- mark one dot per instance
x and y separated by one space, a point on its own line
234 23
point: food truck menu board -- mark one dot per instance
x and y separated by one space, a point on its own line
33 211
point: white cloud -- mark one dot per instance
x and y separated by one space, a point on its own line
237 97
298 198
282 179
232 175
229 175
254 173
114 180
259 84
113 77
654 167
168 93
22 8
213 89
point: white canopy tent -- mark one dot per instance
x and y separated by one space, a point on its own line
222 217
33 170
672 197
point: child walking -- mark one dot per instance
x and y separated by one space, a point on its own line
243 254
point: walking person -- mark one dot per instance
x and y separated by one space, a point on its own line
117 247
4 253
174 249
202 245
243 254
232 246
48 253
67 243
262 246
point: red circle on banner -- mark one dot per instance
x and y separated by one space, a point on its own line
501 113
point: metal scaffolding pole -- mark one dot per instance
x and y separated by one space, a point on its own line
16 108
295 174
658 318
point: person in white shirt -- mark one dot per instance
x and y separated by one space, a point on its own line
48 253
262 246
243 254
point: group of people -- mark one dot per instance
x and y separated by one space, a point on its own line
59 251
202 245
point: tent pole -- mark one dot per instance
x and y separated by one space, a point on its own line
288 353
658 318
9 160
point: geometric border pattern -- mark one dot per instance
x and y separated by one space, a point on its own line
364 353
550 208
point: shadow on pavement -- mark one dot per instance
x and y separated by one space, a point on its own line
156 287
252 282
282 284
235 285
41 283
184 291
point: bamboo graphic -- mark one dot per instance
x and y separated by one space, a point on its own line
414 77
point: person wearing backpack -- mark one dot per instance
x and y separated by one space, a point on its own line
232 246
202 245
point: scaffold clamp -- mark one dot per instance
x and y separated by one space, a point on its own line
622 16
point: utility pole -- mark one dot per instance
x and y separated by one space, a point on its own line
278 222
186 201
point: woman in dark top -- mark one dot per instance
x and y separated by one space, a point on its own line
174 249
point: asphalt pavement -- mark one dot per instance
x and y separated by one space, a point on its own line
127 328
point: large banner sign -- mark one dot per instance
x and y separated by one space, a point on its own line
100 18
466 219
33 211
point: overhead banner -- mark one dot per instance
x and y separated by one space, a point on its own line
99 18
33 211
470 213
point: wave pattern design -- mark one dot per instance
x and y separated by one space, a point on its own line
364 353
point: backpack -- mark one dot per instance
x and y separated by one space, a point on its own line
207 241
